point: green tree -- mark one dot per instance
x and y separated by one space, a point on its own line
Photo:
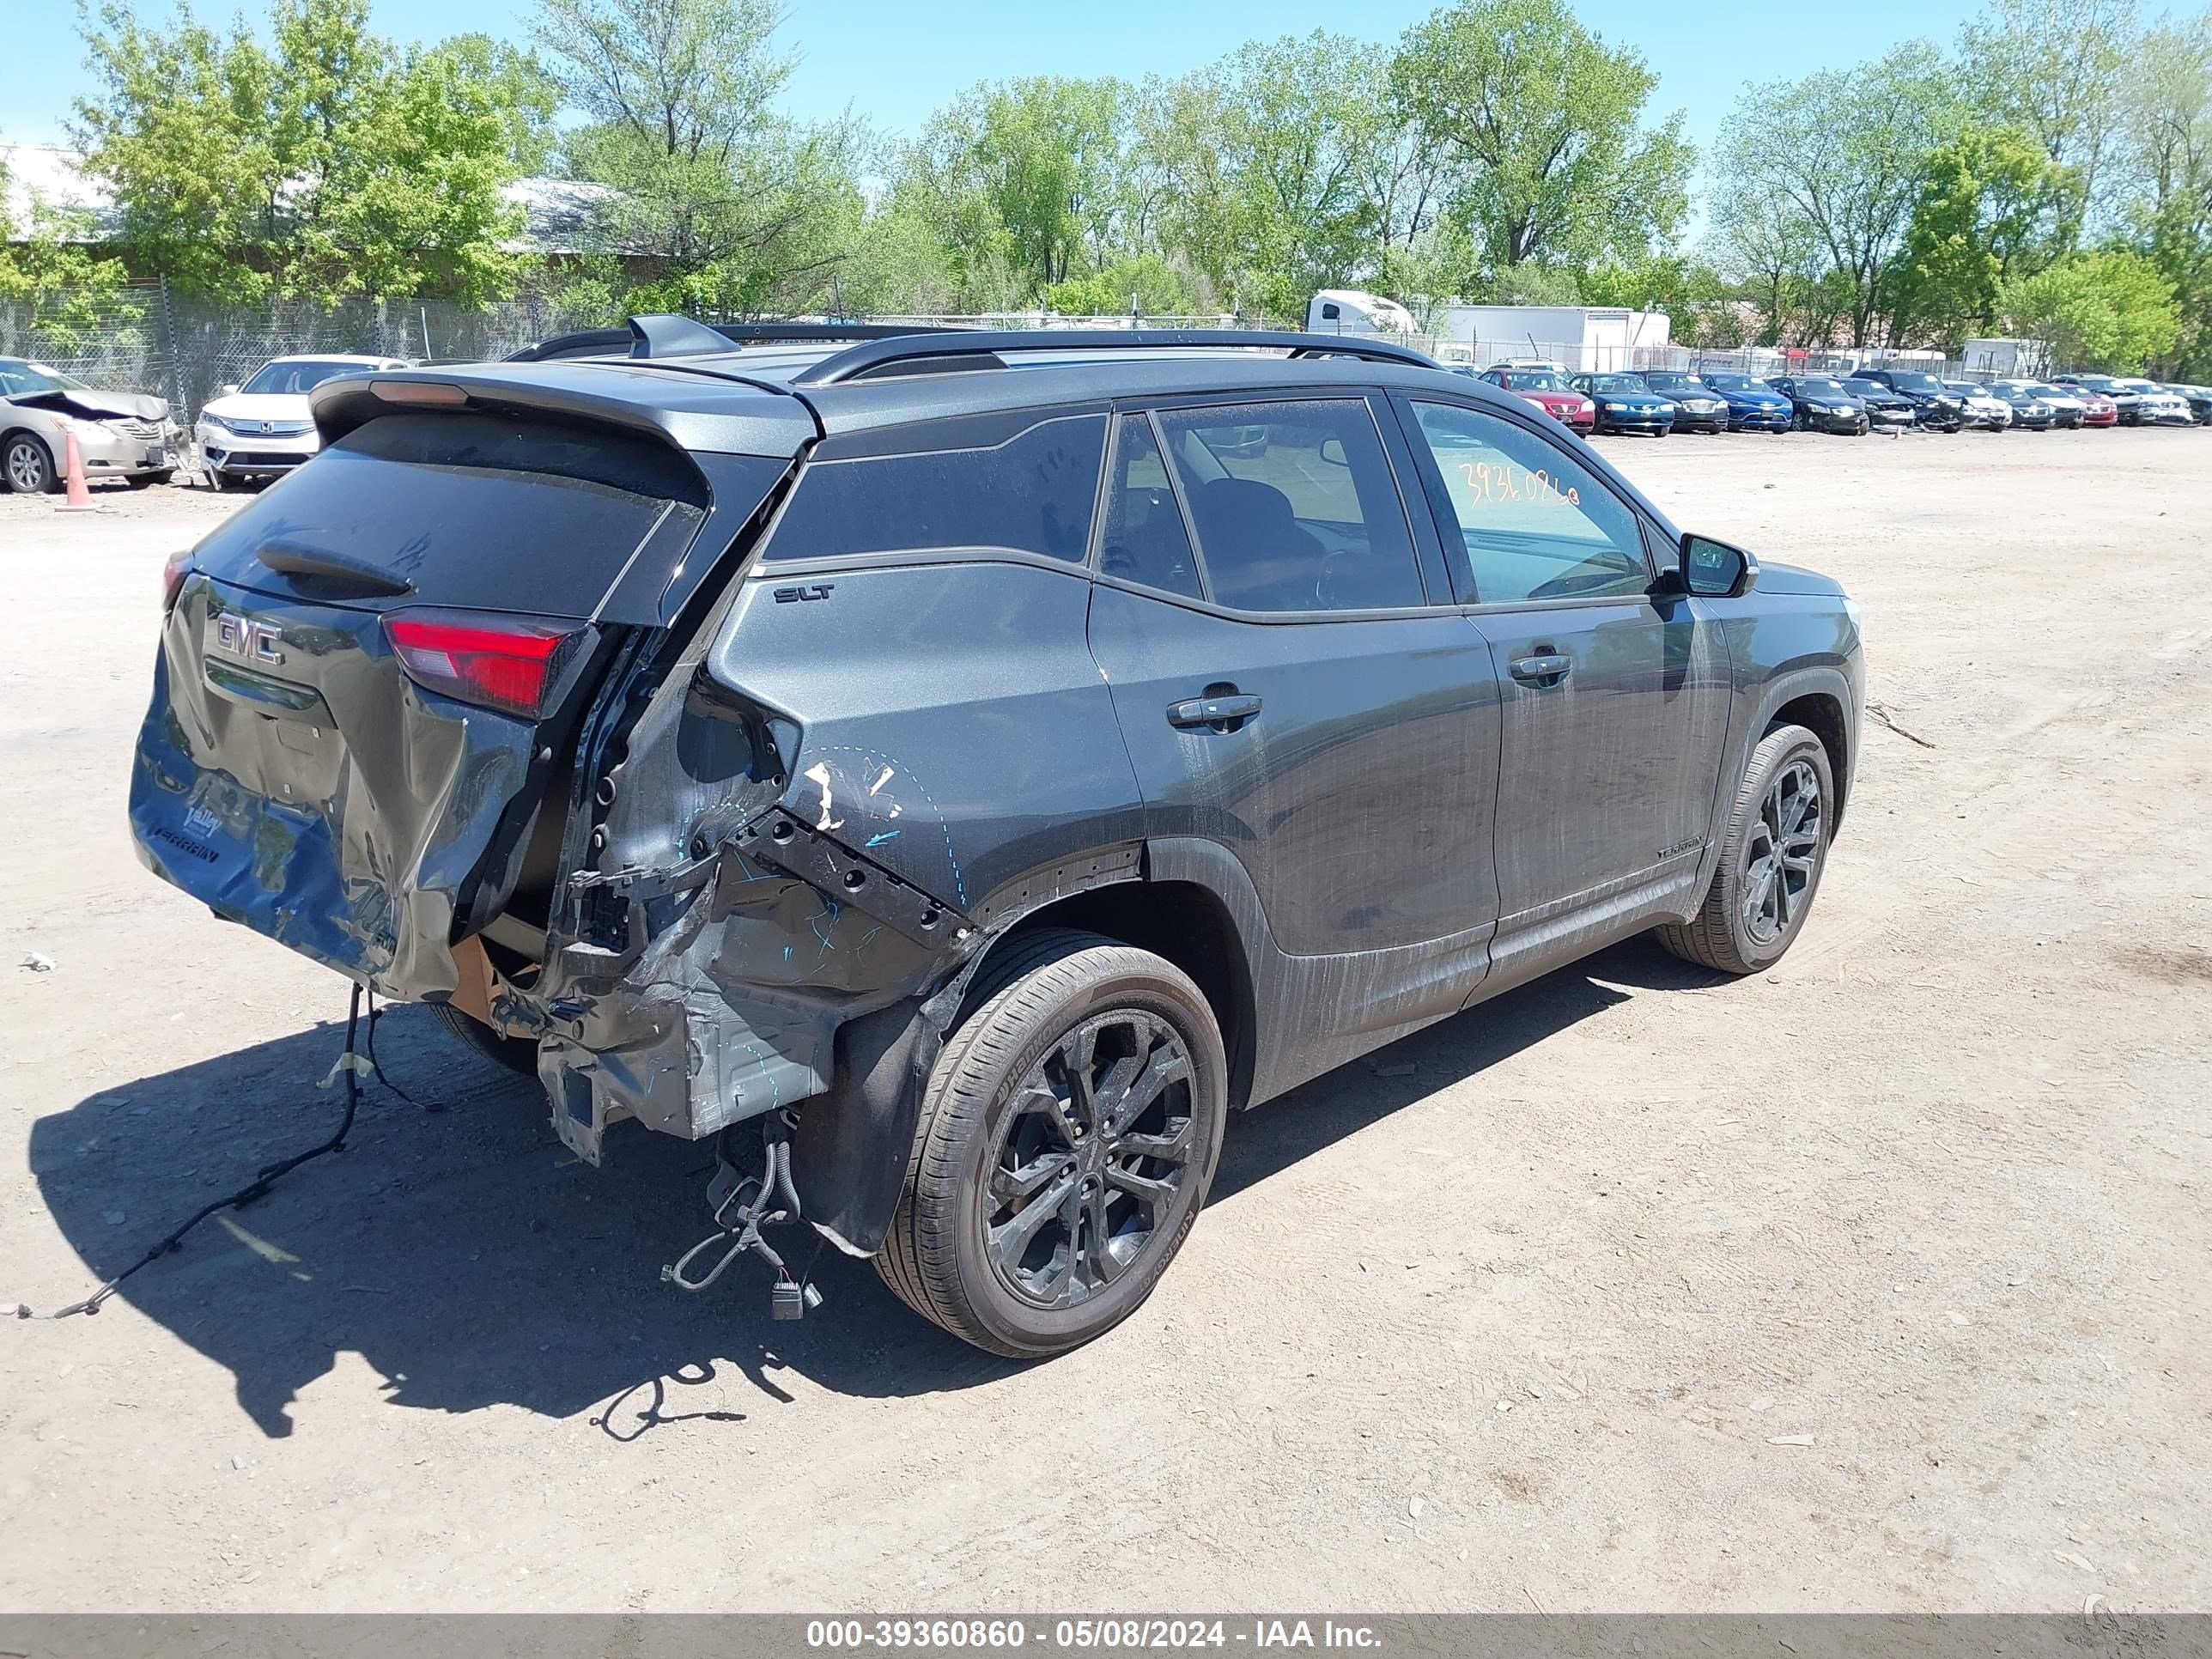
2170 144
1992 207
1539 120
524 91
2112 311
2059 71
734 208
1271 150
1690 292
1779 260
324 165
1025 177
51 275
1145 281
1832 165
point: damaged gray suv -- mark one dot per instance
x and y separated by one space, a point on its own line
956 770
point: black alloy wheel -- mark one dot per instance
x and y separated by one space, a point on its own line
1091 1155
1068 1134
1782 853
1771 859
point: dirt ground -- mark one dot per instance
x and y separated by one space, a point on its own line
1876 1282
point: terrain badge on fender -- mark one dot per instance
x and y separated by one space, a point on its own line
248 640
812 591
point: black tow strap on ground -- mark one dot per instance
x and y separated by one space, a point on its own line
350 1064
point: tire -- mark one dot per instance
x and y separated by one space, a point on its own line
1735 931
141 480
517 1055
1042 1290
27 465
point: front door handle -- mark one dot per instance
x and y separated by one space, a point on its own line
1548 668
1224 713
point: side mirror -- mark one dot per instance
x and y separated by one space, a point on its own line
1715 570
1332 451
228 390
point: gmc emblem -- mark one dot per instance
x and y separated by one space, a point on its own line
248 640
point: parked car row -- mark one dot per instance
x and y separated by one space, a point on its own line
259 430
1656 402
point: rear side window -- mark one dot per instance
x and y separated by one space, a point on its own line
473 510
1295 506
1032 493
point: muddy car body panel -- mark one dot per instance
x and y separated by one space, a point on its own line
860 677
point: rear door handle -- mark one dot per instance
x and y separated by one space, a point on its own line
1548 668
1220 714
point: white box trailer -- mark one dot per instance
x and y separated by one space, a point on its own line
1578 339
1348 311
2025 360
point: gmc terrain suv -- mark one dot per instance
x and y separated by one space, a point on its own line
977 763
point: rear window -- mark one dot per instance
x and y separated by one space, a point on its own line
1032 493
476 511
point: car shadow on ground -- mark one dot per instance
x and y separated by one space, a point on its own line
470 1261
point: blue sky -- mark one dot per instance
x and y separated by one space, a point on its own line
895 62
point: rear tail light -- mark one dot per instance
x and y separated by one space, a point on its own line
173 573
516 666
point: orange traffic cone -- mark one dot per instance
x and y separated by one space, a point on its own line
79 498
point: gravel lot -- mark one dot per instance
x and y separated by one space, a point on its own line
1877 1282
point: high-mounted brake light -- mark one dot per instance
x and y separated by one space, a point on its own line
418 392
507 663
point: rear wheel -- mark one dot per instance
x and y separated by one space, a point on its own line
1771 859
27 465
517 1055
1067 1139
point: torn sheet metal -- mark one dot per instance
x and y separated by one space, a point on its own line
729 1006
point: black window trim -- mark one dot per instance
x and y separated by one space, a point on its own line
1153 407
1440 508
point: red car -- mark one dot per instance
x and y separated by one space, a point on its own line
1544 386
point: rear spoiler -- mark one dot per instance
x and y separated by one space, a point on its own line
722 414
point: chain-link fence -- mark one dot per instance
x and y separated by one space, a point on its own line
150 338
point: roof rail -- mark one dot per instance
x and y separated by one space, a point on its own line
667 334
915 353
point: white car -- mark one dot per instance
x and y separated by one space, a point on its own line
1983 408
120 434
264 427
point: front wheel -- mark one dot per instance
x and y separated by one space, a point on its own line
29 465
1771 856
1068 1135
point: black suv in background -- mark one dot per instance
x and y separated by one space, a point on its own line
1820 403
1934 405
1885 410
975 764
